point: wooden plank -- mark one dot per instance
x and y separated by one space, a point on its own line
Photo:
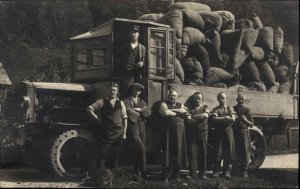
261 103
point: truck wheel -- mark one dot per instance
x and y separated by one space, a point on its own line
258 148
73 154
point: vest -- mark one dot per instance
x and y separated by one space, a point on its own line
174 119
112 115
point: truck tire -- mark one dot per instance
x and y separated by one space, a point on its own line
258 148
73 154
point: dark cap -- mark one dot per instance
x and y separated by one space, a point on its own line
136 85
135 28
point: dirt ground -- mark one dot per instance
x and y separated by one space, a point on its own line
278 171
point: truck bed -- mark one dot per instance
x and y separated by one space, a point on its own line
262 104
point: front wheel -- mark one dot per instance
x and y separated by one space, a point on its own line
73 154
258 148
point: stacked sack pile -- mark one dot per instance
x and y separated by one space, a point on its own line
214 49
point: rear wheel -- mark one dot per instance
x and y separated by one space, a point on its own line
258 148
73 154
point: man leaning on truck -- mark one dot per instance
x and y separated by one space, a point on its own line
110 113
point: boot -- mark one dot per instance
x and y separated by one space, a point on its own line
245 173
227 174
216 174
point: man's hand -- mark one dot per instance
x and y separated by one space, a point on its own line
140 64
124 136
138 109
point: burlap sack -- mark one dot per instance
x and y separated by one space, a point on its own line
203 58
218 75
237 61
192 36
213 45
273 89
249 38
191 65
150 17
228 20
176 80
272 59
192 19
179 70
257 24
238 87
249 72
188 5
265 38
231 41
278 37
287 57
266 74
181 51
282 73
285 88
258 86
174 20
243 24
219 85
212 20
257 54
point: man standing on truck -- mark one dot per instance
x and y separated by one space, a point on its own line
197 134
110 113
131 59
137 111
174 114
242 135
223 117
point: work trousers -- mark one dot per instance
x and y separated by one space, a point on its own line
197 150
242 147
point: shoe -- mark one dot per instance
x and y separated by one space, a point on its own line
166 180
216 174
227 174
245 174
203 177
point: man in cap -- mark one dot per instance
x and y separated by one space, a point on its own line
242 135
131 58
137 111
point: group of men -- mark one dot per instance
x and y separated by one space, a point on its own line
185 131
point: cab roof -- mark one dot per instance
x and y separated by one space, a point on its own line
107 28
60 86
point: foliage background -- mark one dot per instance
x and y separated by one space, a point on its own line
34 34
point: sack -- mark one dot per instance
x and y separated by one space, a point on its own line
273 89
258 86
189 5
150 17
265 38
287 57
213 45
231 41
266 74
192 19
285 88
228 20
174 20
238 87
179 70
218 75
203 58
282 73
278 39
249 38
190 65
257 24
249 72
220 85
272 59
237 61
192 36
176 80
243 24
212 20
257 54
181 51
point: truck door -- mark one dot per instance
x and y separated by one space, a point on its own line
160 67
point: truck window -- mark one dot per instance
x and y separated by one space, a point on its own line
82 63
157 54
98 57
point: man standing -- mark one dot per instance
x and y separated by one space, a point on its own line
242 135
174 114
110 113
131 59
223 117
137 112
197 134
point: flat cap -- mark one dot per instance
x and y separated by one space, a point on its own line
135 28
137 85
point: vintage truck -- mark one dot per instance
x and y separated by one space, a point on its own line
57 135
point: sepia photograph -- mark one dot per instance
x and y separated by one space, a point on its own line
149 94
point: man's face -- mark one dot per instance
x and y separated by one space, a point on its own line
222 99
198 99
240 99
136 92
172 96
112 92
134 35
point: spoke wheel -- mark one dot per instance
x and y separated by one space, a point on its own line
258 149
73 154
